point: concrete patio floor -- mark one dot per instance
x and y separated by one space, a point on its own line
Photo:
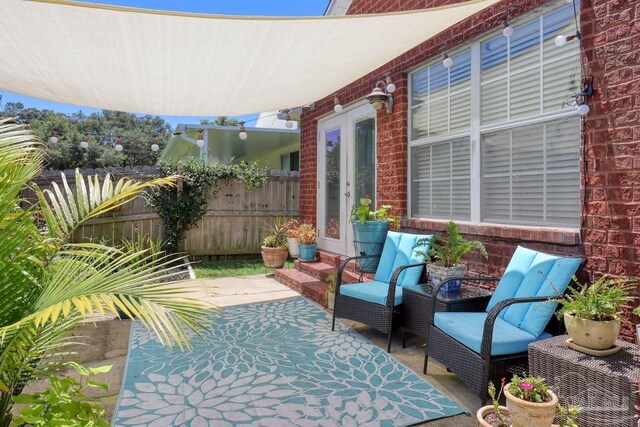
106 342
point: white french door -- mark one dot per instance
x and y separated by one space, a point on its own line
346 173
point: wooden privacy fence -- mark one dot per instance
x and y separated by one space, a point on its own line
233 224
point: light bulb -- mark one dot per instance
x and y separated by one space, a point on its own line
243 135
84 144
155 147
560 40
338 108
448 62
583 109
376 105
200 142
53 139
391 88
507 31
288 124
119 147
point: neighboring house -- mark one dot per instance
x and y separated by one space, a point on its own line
270 144
493 142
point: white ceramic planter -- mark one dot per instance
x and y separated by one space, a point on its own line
530 414
592 334
294 249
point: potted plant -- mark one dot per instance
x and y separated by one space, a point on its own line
292 237
636 311
447 256
494 415
308 242
370 231
591 313
530 402
330 295
274 246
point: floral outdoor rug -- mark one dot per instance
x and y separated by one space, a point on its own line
273 364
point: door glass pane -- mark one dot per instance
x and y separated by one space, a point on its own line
365 172
333 200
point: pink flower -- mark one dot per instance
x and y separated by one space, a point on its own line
525 386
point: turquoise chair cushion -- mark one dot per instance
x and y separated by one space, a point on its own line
372 291
532 273
398 251
467 329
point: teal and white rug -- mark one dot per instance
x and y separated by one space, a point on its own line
273 364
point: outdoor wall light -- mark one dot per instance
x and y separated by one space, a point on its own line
200 142
54 138
447 62
119 146
85 142
243 133
336 105
507 29
154 144
378 97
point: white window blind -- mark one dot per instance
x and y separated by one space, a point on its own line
528 132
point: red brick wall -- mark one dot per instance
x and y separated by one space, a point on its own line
610 236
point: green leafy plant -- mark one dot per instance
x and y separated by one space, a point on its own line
149 249
49 284
494 394
64 402
332 280
363 213
449 253
599 301
181 207
276 233
531 389
307 234
568 416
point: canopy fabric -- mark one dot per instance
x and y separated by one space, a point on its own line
198 65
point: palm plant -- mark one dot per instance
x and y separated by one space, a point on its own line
48 285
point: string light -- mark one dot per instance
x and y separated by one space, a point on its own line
119 146
54 138
85 142
154 145
447 62
289 123
390 86
337 107
243 133
507 29
200 141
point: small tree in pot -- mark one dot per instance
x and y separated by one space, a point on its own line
308 242
274 246
447 256
370 231
592 312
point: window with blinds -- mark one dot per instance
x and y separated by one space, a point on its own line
526 135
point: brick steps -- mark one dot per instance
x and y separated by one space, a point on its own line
303 283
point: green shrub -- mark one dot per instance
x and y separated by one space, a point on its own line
449 253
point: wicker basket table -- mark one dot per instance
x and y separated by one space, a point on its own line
604 387
417 302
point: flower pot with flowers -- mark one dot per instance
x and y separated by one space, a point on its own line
308 242
292 237
274 249
370 231
592 313
530 402
447 256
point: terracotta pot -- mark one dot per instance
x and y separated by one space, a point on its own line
294 249
530 414
439 274
486 410
592 334
274 257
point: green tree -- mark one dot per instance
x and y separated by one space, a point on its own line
48 285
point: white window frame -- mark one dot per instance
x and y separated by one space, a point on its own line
476 128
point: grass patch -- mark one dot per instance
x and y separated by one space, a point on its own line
229 268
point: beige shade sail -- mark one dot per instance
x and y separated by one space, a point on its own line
198 65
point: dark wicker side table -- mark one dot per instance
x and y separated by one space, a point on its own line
417 302
604 387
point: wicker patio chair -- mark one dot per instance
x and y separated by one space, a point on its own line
377 303
492 344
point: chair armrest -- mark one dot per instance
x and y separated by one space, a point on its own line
394 279
487 333
344 263
434 298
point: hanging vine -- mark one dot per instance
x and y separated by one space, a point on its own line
181 207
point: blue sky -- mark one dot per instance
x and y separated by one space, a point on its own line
224 7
